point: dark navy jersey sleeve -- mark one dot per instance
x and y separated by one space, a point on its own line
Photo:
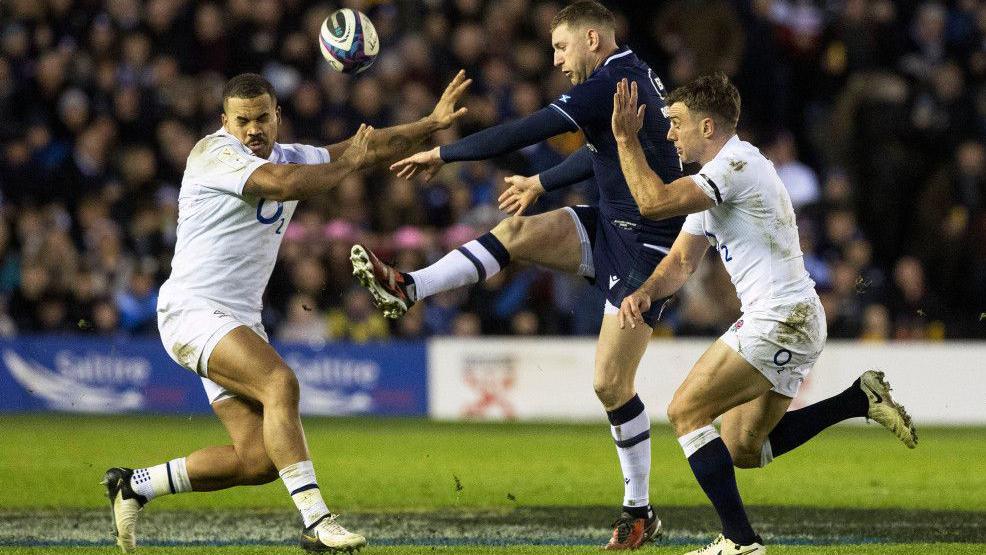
506 137
589 103
577 167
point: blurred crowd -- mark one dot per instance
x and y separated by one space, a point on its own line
873 112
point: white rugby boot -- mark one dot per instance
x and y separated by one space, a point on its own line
884 410
325 534
124 506
724 546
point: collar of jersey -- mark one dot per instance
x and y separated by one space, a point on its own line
273 152
732 143
621 52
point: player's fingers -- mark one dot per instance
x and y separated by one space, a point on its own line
633 92
459 113
455 81
640 111
461 88
521 206
396 166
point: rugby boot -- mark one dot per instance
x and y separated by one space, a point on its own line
124 506
884 410
325 534
387 286
631 532
725 546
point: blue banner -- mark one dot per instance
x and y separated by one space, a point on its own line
99 375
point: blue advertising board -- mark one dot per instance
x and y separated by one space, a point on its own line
110 375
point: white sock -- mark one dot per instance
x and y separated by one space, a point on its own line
154 481
633 447
299 478
468 264
697 439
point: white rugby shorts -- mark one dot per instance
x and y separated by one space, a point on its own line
782 340
191 329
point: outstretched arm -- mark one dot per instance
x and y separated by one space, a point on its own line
672 272
393 142
523 191
656 199
488 143
282 182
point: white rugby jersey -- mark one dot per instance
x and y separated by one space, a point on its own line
752 225
227 241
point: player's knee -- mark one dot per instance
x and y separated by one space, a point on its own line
510 231
686 416
611 391
282 387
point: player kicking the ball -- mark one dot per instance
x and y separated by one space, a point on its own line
238 193
609 243
750 375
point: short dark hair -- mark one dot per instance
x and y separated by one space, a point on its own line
584 12
712 94
248 85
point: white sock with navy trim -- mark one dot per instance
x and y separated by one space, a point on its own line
299 479
471 263
630 427
163 479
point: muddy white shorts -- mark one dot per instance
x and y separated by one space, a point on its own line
781 340
191 328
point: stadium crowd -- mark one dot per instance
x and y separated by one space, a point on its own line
873 112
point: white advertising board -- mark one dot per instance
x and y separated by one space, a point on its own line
551 379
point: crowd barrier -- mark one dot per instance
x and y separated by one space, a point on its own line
126 375
453 378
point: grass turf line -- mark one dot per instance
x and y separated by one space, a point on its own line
364 464
905 549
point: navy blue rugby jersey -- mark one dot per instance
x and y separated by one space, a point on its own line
589 107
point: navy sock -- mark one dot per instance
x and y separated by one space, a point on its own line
798 426
713 468
639 512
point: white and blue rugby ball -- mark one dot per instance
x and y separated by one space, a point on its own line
349 41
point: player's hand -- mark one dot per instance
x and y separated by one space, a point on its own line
627 117
427 163
445 113
521 193
355 153
632 309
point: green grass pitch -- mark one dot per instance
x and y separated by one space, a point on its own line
416 487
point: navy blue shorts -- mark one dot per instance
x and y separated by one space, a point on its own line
614 259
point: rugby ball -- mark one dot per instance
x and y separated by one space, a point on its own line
349 41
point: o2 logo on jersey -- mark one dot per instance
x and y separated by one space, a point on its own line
267 220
